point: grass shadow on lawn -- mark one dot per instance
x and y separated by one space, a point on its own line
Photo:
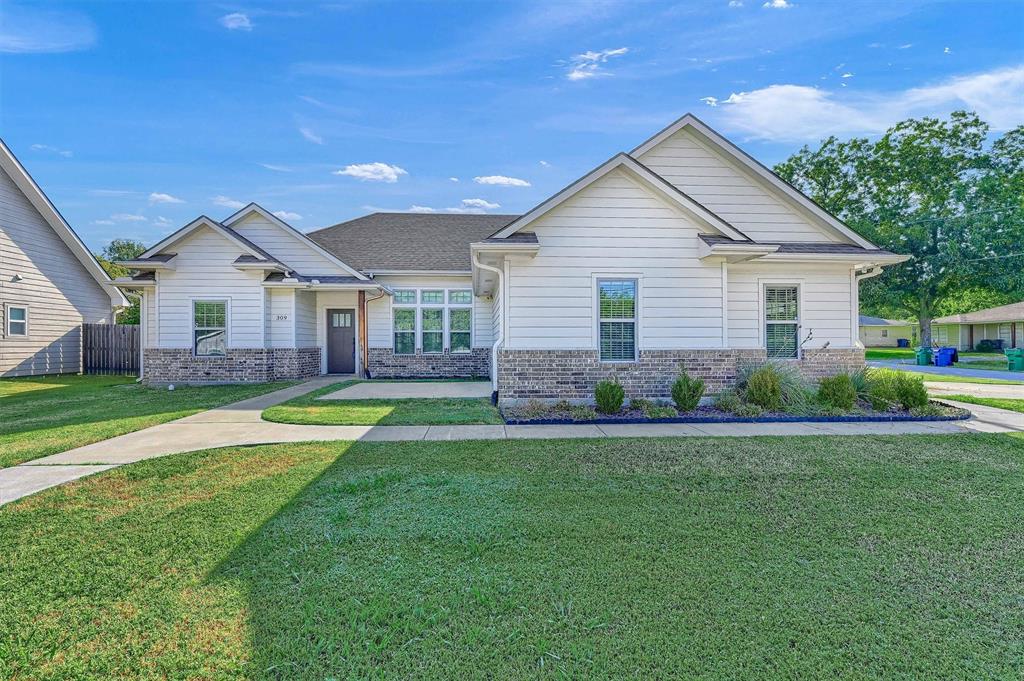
435 411
802 557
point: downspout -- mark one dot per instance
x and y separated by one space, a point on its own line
872 271
501 327
364 330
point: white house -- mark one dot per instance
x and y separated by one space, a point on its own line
876 332
50 284
685 253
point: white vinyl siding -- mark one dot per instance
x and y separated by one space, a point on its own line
825 297
204 272
285 246
305 319
729 191
280 321
614 228
379 324
60 293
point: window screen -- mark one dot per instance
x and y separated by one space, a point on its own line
405 331
782 321
433 330
460 321
209 333
616 300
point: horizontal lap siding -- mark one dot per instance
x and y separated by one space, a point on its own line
720 185
305 319
280 332
379 311
825 294
614 226
285 247
60 293
204 271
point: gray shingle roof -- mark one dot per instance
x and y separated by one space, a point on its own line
797 247
1013 312
865 320
409 241
323 279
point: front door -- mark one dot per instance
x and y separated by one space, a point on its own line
341 342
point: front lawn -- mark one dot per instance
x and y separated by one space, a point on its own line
908 353
803 557
308 410
43 415
997 402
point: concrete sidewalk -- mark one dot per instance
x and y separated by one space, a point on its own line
1016 377
240 424
403 390
944 388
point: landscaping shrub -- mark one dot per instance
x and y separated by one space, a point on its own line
686 392
764 388
640 404
729 401
859 379
582 412
796 396
990 345
661 411
837 392
609 395
888 388
748 410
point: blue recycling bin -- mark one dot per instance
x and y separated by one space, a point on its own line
903 342
944 357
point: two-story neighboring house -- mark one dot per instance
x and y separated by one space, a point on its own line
685 253
50 284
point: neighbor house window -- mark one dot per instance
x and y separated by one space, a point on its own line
885 333
209 327
460 322
405 330
781 321
433 329
616 302
17 321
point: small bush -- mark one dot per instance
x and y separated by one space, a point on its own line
748 410
859 379
889 389
729 401
582 412
640 404
764 388
797 397
931 410
609 396
686 392
837 392
661 411
989 345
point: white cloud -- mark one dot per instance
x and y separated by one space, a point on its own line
160 197
847 75
65 153
286 215
236 21
777 4
735 3
311 136
161 221
710 101
483 204
127 217
801 113
906 46
102 222
35 30
227 202
276 168
545 164
501 181
421 209
373 172
453 179
946 50
588 64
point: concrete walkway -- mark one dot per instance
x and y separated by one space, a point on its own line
240 424
943 388
948 371
399 390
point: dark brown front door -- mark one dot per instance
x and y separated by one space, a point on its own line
341 341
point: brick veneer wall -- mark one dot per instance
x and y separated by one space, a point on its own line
239 365
384 363
572 374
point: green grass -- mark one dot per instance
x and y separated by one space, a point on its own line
793 557
307 410
986 365
997 402
49 414
908 353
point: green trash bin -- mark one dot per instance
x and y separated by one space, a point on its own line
924 356
1015 359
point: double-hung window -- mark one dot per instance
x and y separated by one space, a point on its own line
209 328
460 320
432 320
17 320
616 303
782 321
433 330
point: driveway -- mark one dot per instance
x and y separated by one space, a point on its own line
1008 392
949 371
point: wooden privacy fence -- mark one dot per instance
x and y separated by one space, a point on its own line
110 348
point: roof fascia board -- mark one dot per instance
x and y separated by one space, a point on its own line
419 273
758 169
296 234
41 202
201 221
867 258
652 181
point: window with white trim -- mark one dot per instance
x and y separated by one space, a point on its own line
616 304
405 330
433 330
460 324
432 320
782 321
209 328
17 320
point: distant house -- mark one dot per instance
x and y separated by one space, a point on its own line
50 284
685 253
876 332
1005 323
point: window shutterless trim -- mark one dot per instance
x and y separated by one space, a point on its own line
633 321
789 321
226 302
7 319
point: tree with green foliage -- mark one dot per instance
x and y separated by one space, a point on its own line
933 189
116 250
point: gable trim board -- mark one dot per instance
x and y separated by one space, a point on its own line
758 170
34 193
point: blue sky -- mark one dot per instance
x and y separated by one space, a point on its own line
137 117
